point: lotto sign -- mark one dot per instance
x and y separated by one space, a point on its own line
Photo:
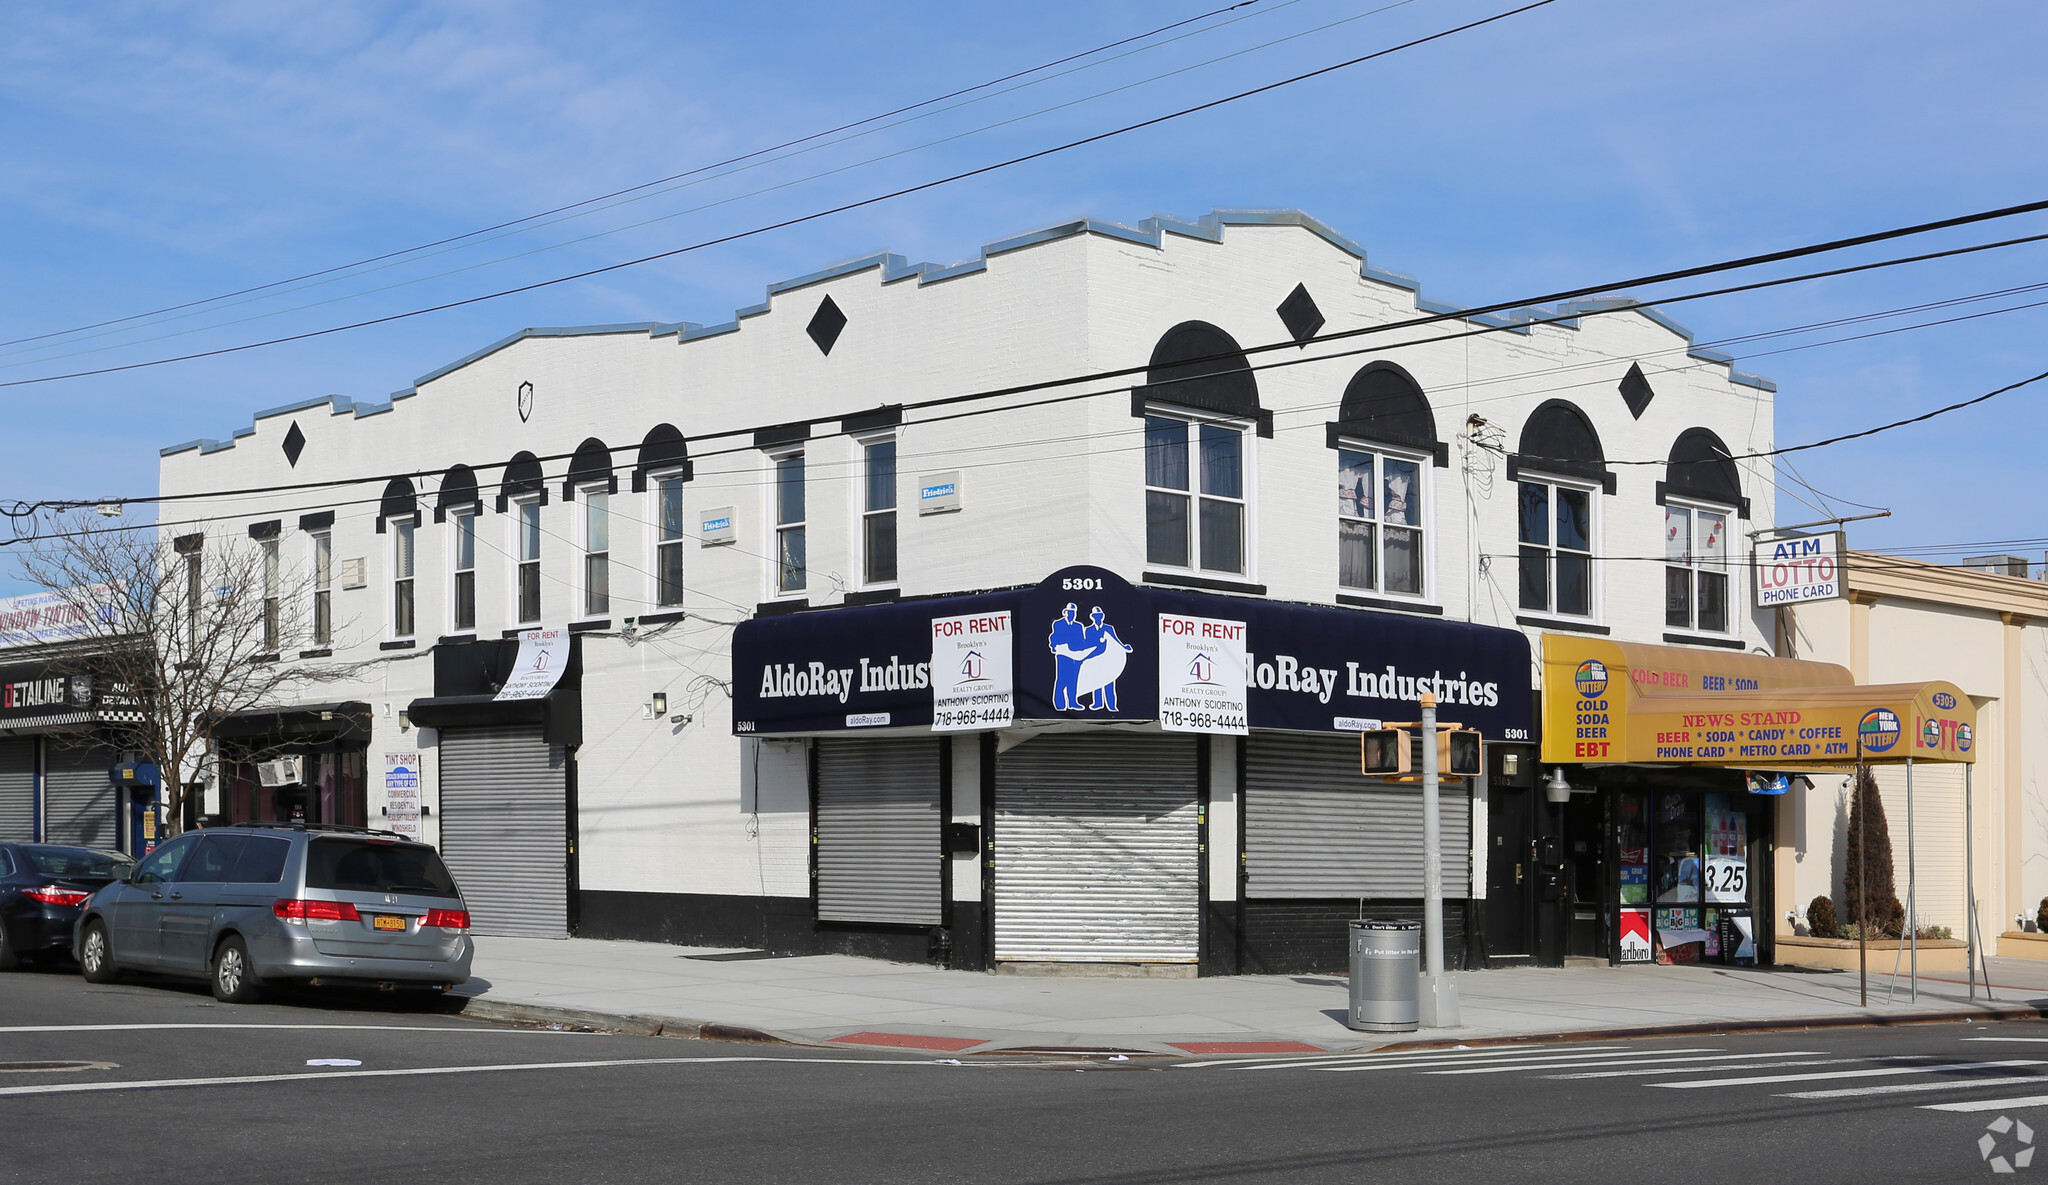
1803 568
1727 880
1201 675
972 687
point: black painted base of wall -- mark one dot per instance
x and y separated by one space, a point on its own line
779 925
1314 937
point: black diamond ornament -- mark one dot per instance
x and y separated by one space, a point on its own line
294 444
826 324
1300 314
1635 390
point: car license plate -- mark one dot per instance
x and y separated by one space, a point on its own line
387 921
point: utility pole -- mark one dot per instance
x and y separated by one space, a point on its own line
1439 998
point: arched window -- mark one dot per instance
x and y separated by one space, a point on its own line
522 477
458 497
399 501
1386 443
1198 400
663 449
1702 495
524 489
1559 470
591 464
458 488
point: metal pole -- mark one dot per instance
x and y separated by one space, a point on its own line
1970 882
1862 892
1439 1002
1912 909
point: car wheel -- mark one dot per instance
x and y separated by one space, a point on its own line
234 978
96 955
8 959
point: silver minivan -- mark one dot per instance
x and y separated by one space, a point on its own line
262 904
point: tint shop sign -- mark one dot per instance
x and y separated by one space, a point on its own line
1800 568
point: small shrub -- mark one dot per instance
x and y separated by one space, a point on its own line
1849 930
2041 916
1940 933
1820 917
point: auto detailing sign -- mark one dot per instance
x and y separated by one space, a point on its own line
971 683
1201 675
1791 571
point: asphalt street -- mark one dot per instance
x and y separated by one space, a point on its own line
157 1081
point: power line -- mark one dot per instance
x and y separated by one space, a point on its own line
643 185
799 219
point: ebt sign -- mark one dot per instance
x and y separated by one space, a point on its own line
1801 568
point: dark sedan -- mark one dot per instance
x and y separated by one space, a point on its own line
42 887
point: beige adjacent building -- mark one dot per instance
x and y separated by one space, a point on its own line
1902 621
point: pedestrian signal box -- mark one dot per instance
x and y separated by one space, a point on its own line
1458 753
1396 753
1383 752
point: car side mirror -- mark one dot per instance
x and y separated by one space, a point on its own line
126 873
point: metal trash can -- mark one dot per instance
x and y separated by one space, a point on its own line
1386 971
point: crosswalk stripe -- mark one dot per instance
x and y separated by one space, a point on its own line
1522 1063
1911 1087
1765 1079
1249 1063
2032 1100
1651 1071
1616 1060
2026 1040
1398 1060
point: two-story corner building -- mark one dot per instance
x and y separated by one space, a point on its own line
871 597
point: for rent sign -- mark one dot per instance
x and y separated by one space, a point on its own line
1799 568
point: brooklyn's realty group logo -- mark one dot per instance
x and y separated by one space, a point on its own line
2007 1145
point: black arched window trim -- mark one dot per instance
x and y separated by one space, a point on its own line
400 501
1570 470
663 450
1153 395
458 489
1342 433
522 476
1689 490
591 464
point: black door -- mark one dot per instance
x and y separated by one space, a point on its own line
1585 855
1510 878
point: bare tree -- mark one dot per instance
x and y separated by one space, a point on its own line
175 635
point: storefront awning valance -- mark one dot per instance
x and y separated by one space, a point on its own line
1628 702
1086 647
345 721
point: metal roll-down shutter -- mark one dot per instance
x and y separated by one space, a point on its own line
1316 828
78 797
879 856
18 790
505 828
1098 850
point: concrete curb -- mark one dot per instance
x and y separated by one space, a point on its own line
1853 1020
636 1026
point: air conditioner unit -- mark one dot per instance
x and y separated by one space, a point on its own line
285 771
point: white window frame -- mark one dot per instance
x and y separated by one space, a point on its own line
588 497
656 544
1730 593
405 579
1594 522
1425 520
272 559
320 564
862 512
776 527
1247 484
455 516
517 551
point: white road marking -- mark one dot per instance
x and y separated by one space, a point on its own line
424 1071
1632 1059
1545 1061
1418 1057
349 1028
2027 1040
1766 1079
2032 1100
1910 1087
1655 1070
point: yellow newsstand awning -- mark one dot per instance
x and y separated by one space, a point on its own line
1629 702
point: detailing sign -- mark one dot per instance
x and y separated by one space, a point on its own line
542 655
972 687
1799 568
1201 675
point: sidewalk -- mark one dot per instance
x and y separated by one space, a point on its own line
816 999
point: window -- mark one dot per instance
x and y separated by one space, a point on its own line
403 605
195 592
668 542
878 516
271 579
597 552
1380 532
465 570
789 524
1194 513
1557 548
527 526
323 589
1696 568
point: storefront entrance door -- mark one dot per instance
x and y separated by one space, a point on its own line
1510 877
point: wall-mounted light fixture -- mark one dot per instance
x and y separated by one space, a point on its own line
660 704
404 720
1557 789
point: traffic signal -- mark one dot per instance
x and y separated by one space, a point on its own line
1457 753
1383 752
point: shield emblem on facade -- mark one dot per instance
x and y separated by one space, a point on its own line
525 402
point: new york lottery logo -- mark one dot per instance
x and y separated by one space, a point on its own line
1878 730
1591 678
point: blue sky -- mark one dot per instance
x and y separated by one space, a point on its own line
162 153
